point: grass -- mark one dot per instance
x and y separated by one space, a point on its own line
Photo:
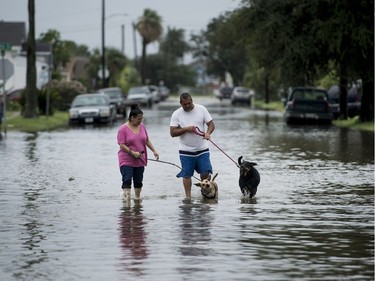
355 124
16 122
275 105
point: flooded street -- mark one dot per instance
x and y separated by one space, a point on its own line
312 218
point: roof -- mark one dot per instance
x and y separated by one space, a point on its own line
13 32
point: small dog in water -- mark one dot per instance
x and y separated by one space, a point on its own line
249 178
209 188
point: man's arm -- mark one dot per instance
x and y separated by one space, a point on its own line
178 131
210 129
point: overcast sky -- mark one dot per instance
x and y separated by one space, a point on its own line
80 20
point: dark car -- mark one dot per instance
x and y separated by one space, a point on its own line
225 92
164 92
117 98
91 108
308 105
353 101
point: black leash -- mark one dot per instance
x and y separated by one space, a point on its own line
165 162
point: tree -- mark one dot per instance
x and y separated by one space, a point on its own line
172 49
31 98
116 63
176 74
149 27
348 29
62 51
221 46
303 38
173 44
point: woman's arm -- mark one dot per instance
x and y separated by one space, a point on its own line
152 148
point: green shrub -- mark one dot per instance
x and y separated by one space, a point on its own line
66 92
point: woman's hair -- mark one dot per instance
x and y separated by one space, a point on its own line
134 111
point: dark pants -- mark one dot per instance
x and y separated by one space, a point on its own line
132 173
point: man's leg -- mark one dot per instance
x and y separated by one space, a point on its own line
187 185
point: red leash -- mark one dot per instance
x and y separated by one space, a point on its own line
202 134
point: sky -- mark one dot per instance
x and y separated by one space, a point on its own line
80 20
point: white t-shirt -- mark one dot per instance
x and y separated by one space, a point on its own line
198 117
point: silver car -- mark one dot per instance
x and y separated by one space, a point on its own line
241 95
92 108
140 95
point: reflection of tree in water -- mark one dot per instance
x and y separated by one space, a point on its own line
32 232
133 237
32 236
31 140
195 226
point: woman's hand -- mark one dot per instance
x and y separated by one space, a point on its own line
136 154
156 155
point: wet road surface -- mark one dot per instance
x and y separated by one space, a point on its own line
312 218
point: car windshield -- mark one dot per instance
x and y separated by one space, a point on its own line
226 90
113 94
309 95
137 90
81 101
242 90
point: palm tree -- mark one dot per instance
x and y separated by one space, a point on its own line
149 27
173 44
31 98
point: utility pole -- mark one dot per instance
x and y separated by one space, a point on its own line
103 44
50 65
4 46
123 39
135 47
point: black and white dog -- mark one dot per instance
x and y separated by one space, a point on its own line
249 178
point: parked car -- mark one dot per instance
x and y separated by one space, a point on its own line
225 93
241 95
140 95
117 98
308 105
156 97
334 100
164 92
92 108
353 101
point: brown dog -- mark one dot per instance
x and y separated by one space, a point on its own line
209 188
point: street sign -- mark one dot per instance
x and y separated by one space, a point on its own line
8 69
5 46
106 73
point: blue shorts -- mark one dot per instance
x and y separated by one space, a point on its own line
194 161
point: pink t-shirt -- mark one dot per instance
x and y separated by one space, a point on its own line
136 142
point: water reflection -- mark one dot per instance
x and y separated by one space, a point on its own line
31 147
133 237
195 230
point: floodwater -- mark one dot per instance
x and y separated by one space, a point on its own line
312 219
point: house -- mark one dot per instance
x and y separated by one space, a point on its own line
200 68
15 34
